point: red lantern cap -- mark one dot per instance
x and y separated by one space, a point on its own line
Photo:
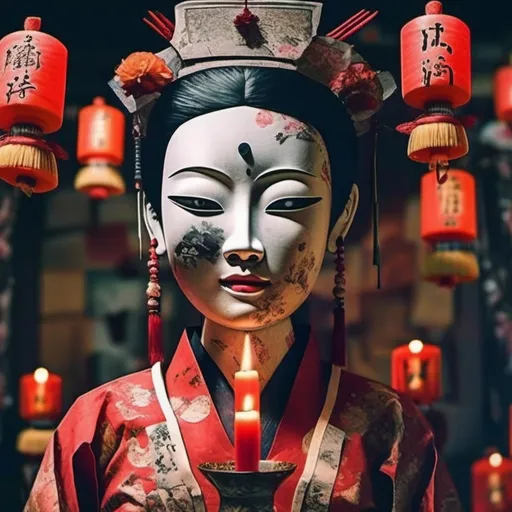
434 8
32 23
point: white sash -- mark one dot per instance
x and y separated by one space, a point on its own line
178 460
321 442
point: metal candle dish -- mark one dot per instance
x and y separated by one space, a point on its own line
247 491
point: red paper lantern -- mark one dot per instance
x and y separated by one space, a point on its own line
449 227
492 484
436 78
416 371
40 396
101 130
33 87
503 94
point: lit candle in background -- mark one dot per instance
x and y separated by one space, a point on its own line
247 382
41 377
416 371
414 367
492 484
40 396
495 488
247 437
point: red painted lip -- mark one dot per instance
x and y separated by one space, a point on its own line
245 284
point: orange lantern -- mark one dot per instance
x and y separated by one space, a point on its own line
503 93
436 78
40 396
101 130
492 484
416 371
33 68
449 227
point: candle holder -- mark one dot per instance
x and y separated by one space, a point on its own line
247 491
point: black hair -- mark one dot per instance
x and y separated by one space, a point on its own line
279 90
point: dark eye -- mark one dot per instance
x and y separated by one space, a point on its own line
291 204
198 205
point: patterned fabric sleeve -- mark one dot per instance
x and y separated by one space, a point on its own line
421 480
67 479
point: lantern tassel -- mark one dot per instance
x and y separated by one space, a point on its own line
438 136
33 441
449 268
99 181
29 162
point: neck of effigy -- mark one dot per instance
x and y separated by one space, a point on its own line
269 346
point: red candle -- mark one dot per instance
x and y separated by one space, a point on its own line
247 413
247 383
40 396
247 438
416 371
492 484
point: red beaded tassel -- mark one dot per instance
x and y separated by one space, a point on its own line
155 344
339 354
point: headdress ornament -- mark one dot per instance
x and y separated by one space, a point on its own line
281 34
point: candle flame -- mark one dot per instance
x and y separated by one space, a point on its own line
416 346
495 460
246 364
41 375
248 404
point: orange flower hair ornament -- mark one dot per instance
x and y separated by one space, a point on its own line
143 73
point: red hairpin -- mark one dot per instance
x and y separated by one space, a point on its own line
352 25
162 25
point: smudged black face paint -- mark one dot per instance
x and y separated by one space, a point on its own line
202 242
298 273
270 306
245 151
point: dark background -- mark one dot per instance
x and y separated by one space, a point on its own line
99 34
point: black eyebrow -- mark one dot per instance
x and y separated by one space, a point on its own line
209 171
273 172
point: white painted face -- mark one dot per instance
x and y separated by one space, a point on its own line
246 203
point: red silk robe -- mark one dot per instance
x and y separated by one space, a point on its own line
127 447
